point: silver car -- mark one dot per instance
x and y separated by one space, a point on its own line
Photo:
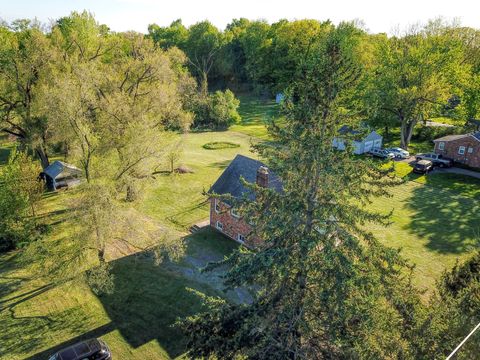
399 153
382 153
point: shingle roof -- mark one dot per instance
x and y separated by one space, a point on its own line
229 182
452 137
58 168
345 129
456 137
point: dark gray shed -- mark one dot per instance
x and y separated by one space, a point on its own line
59 174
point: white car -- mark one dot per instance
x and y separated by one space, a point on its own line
399 153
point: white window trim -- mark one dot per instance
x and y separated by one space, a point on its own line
235 214
441 145
461 150
470 150
217 204
219 226
239 240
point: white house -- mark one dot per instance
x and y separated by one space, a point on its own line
362 141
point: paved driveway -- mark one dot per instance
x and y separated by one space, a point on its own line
453 170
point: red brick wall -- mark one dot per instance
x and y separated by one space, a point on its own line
232 226
451 151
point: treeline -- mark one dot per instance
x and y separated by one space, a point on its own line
425 72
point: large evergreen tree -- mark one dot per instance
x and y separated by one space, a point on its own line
324 287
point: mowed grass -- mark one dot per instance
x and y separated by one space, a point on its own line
255 115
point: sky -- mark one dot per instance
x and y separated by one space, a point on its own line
122 15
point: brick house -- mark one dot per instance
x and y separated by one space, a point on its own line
223 216
463 149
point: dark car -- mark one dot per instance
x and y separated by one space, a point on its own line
422 166
93 349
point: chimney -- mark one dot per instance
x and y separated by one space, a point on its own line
262 176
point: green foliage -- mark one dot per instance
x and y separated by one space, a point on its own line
167 37
20 191
453 313
216 111
217 145
430 133
412 78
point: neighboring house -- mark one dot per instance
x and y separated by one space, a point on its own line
223 216
59 174
362 142
463 149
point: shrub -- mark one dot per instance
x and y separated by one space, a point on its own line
216 111
19 192
217 145
430 133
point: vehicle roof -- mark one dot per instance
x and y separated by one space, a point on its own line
424 162
80 350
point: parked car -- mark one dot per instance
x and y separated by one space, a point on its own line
399 153
436 159
422 167
92 349
381 153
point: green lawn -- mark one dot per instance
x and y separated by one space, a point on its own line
435 220
255 115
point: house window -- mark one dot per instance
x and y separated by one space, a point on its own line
217 206
234 213
241 238
441 145
461 150
470 150
219 226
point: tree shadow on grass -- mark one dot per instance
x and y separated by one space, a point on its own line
449 220
147 302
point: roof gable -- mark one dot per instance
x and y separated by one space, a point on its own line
242 166
58 168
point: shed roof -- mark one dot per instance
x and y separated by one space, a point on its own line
229 182
59 168
359 135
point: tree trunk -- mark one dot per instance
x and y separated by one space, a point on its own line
204 84
100 245
131 193
406 132
43 156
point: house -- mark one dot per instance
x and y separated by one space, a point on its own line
463 149
59 174
223 216
362 141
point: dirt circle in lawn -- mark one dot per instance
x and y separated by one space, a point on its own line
217 145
